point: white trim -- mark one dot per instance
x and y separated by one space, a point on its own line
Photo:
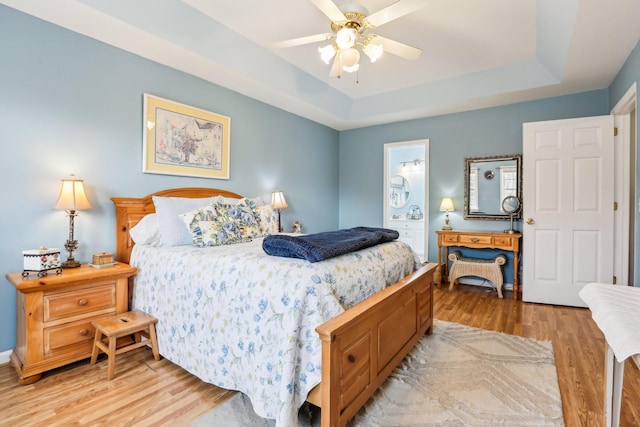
623 151
627 103
4 357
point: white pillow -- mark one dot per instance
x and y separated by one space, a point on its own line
172 230
146 231
233 201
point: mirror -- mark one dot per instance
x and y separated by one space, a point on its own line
399 191
510 205
488 181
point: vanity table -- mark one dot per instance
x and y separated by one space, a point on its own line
478 240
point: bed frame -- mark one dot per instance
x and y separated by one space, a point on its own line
360 347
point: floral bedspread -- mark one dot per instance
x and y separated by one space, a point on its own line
243 320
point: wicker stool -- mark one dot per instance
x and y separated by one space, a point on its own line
135 323
489 269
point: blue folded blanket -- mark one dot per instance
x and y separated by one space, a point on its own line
321 246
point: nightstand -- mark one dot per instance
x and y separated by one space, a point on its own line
54 315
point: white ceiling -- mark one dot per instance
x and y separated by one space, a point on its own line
476 53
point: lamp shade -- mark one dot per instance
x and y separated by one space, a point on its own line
446 205
277 200
350 59
72 195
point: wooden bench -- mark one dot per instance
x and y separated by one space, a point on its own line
489 269
136 323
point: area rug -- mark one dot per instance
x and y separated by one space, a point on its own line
459 376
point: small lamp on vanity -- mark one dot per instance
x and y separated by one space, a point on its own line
72 199
278 203
446 206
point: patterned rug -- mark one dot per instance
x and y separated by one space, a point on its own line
459 376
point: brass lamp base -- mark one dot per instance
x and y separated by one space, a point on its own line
70 263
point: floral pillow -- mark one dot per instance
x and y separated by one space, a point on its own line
268 220
209 227
245 216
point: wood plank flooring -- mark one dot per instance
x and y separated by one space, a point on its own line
149 393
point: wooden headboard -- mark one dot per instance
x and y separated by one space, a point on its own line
130 210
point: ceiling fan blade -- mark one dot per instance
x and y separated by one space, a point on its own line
336 69
396 48
395 11
300 41
330 9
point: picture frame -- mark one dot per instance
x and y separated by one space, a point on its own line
182 140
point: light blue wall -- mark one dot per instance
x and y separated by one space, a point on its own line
628 75
491 131
70 104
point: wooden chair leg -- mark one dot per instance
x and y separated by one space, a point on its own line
112 356
154 341
96 349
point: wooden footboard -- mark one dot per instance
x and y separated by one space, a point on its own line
362 346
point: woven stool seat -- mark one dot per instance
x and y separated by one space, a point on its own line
489 269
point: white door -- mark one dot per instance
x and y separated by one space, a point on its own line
567 205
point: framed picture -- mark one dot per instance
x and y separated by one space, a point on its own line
183 140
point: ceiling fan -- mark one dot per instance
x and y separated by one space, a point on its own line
351 25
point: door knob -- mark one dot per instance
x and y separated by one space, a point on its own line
530 221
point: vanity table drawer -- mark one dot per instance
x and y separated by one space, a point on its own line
450 238
505 241
475 240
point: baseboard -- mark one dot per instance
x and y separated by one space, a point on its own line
4 357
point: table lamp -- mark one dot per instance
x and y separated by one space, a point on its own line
72 198
278 203
446 206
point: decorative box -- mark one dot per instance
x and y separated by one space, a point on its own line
41 259
101 258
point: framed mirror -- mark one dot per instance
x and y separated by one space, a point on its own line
487 182
399 191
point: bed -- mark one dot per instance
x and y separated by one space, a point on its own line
334 357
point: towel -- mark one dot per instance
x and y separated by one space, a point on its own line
616 311
321 246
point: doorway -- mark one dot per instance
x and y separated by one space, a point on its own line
625 189
406 193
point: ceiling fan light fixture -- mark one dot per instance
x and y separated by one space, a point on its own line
373 51
327 53
350 59
346 38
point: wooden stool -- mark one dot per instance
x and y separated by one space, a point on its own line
135 323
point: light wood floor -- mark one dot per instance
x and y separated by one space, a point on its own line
146 392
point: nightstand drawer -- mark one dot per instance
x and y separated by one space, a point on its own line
65 304
67 334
